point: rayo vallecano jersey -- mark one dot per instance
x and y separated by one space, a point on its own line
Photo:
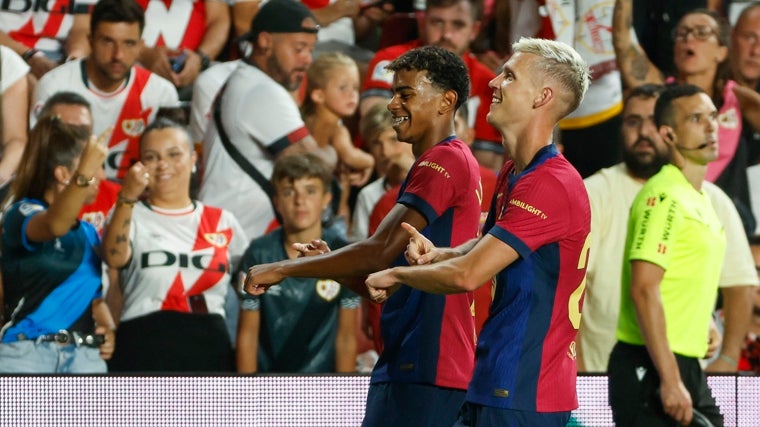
128 110
174 23
177 254
42 24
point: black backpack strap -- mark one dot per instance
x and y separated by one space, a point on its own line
238 157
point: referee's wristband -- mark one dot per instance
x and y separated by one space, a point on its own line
26 56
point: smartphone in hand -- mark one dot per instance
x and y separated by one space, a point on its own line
178 62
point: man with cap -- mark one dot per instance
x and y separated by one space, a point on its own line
257 115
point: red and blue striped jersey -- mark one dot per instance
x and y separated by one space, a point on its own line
526 350
430 339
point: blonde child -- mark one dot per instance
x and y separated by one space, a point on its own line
332 94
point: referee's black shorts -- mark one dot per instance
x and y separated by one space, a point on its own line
634 385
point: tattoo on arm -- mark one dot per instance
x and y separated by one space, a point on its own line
639 64
121 238
114 252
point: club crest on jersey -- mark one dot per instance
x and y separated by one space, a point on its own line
327 289
97 219
216 239
133 127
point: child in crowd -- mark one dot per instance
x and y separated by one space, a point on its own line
305 325
332 94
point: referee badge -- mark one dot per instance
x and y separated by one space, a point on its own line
327 289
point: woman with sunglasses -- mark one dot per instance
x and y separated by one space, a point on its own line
700 56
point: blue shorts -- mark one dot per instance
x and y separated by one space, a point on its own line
474 415
412 405
30 357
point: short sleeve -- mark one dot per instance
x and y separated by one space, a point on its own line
441 168
14 68
653 214
536 214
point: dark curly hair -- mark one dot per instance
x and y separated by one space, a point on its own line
445 69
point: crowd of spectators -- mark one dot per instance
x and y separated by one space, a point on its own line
200 102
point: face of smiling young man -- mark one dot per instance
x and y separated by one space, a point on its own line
513 93
414 106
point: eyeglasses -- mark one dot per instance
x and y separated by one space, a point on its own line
701 32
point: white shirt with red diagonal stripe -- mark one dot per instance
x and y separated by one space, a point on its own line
177 254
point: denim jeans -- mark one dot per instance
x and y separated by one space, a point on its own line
31 357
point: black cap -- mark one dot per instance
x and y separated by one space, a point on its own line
282 16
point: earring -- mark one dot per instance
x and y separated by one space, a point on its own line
194 169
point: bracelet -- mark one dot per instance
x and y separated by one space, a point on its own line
26 56
728 359
121 200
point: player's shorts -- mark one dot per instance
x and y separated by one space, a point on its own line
474 415
412 405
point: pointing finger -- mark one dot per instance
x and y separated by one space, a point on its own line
411 230
103 137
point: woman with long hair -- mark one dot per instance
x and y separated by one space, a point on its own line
55 318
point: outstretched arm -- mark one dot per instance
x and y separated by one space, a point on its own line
356 260
633 63
463 273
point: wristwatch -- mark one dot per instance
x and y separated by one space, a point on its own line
205 60
82 181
